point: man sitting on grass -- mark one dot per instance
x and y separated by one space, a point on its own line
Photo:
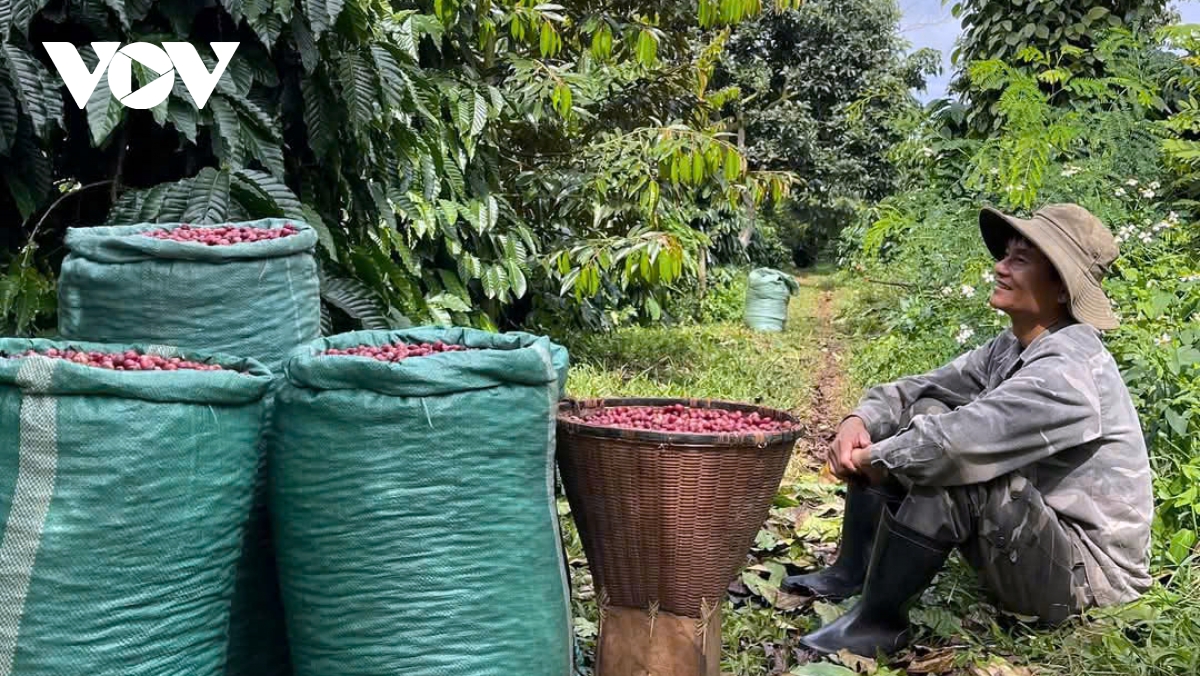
1025 454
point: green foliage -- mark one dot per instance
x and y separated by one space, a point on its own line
449 153
1182 145
1009 33
1154 636
826 91
724 299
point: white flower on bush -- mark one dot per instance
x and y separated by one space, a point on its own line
964 333
1155 185
1000 312
1164 339
994 171
1070 170
1172 217
968 291
946 290
1128 231
1148 194
988 278
1119 192
1131 182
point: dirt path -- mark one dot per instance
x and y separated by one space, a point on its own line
828 400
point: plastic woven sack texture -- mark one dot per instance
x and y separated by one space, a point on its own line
124 498
259 300
414 510
767 295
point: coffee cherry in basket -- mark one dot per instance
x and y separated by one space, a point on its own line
222 235
130 360
684 419
395 352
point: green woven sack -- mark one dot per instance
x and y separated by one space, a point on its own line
767 294
124 496
414 510
258 300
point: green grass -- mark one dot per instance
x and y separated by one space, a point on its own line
718 361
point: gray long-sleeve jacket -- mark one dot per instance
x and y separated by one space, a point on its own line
1059 412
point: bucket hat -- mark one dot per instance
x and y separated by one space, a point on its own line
1079 246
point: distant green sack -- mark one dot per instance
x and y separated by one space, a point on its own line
124 497
767 294
258 300
413 502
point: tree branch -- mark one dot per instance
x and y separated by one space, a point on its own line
58 201
124 145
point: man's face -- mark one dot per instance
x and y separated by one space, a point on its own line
1027 283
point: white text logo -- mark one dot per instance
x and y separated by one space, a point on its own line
179 56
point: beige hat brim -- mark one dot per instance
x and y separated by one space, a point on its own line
1089 303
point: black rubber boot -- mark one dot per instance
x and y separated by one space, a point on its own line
844 578
903 564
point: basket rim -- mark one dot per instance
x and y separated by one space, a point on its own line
757 439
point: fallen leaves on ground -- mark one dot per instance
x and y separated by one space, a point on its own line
998 666
936 662
827 477
786 601
861 665
940 621
821 669
828 612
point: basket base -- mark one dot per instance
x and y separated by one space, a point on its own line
633 644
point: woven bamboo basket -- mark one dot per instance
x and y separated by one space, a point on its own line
667 519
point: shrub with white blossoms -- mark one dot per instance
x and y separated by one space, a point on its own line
964 334
1146 232
968 291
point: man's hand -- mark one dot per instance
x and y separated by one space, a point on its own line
862 462
852 435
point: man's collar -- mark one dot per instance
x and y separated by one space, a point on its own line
1016 356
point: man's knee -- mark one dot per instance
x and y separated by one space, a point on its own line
944 513
924 406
